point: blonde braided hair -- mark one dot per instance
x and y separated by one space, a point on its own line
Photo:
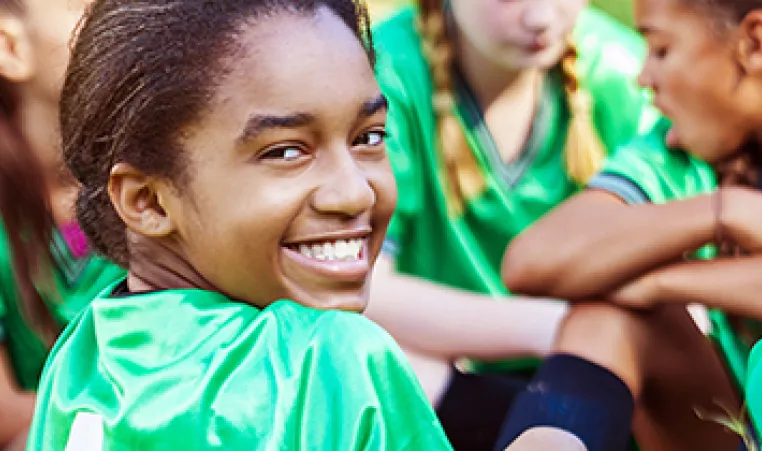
464 178
584 151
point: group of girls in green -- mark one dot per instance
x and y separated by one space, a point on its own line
236 164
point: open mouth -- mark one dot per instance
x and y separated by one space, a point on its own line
335 250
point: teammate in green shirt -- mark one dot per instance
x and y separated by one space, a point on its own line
494 120
47 273
231 154
631 237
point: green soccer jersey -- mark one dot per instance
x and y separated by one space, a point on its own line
465 250
518 193
193 370
77 282
647 171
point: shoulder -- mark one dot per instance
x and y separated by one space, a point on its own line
661 173
607 46
398 32
345 336
401 68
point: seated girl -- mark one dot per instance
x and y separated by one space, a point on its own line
630 238
494 120
230 155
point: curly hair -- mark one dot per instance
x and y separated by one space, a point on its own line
142 70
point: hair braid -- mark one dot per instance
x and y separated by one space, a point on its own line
584 151
464 177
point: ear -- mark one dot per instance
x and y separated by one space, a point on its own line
16 61
750 42
137 199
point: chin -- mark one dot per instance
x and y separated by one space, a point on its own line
344 302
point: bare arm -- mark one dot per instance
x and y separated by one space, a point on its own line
733 285
595 242
450 323
16 406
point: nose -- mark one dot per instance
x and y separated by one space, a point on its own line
538 16
645 78
345 189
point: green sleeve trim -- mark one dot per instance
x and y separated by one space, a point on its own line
620 186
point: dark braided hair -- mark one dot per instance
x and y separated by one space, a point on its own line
141 71
24 205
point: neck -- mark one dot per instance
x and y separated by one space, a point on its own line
158 264
490 81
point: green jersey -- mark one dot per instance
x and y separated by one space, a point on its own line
517 193
465 250
195 370
77 281
647 171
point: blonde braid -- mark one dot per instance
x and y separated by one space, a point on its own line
584 152
465 179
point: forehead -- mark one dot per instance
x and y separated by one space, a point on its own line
665 15
296 61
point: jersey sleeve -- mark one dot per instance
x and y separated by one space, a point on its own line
645 170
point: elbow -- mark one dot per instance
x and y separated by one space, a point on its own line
525 272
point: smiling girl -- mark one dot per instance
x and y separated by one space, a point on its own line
249 203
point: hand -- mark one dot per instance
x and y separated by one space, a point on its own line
741 217
641 293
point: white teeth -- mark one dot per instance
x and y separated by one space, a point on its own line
305 250
317 252
328 251
334 250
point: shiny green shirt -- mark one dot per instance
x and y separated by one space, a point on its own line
77 282
193 370
472 244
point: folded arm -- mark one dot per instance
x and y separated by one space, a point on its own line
595 242
450 323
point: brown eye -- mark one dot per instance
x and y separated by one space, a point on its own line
370 138
286 153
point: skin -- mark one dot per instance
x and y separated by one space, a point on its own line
33 57
320 174
335 184
503 49
639 238
632 255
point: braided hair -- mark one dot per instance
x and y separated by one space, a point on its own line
583 152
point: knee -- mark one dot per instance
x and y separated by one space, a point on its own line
606 335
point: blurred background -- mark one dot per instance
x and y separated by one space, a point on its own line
621 9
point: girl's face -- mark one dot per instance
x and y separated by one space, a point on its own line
518 34
289 190
694 73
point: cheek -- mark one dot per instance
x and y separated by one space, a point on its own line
384 186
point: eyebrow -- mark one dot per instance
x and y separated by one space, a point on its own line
262 122
372 107
645 29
